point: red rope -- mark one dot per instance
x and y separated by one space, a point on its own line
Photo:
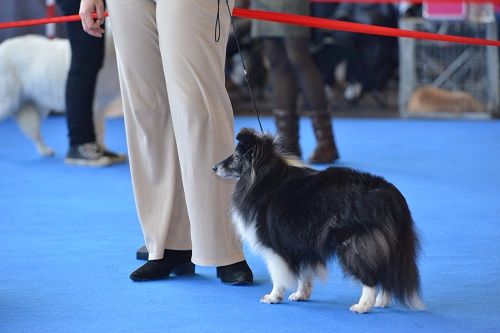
308 21
41 21
497 2
370 1
322 23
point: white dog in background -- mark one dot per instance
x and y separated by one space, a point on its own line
33 73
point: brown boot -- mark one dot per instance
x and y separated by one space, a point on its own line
287 123
326 150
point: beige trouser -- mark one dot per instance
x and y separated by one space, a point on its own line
179 122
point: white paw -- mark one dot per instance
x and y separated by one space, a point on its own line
270 299
359 308
383 299
296 297
381 302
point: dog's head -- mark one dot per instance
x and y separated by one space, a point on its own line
252 149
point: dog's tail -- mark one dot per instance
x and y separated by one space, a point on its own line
406 283
404 279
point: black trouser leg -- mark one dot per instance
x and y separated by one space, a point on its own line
87 54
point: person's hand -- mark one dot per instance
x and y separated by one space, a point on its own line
90 25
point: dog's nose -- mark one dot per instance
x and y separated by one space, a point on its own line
214 167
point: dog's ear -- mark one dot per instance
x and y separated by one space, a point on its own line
247 138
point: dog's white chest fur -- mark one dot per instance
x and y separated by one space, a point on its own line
246 230
276 265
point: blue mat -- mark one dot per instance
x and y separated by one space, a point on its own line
69 234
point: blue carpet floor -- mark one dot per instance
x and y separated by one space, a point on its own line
68 237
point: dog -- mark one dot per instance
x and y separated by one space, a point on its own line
433 99
299 219
33 73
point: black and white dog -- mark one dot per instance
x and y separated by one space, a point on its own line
299 219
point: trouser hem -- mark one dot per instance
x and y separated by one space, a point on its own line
218 262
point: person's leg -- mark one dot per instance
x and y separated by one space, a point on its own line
313 90
202 119
307 74
87 55
154 163
285 89
284 92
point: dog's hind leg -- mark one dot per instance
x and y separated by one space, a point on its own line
280 274
29 120
366 301
383 298
304 288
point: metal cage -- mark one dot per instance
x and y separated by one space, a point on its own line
451 66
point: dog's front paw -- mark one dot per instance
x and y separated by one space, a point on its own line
270 299
297 297
359 308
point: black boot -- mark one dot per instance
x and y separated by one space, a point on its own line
326 150
173 261
287 123
235 274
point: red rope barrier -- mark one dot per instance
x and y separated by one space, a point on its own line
322 23
41 21
416 2
308 21
395 2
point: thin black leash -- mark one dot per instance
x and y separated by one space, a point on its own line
247 79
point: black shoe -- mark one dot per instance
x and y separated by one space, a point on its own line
87 154
235 274
114 157
174 261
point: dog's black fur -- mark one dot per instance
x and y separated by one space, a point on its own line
307 216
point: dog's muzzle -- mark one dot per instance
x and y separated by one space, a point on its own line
216 168
221 169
